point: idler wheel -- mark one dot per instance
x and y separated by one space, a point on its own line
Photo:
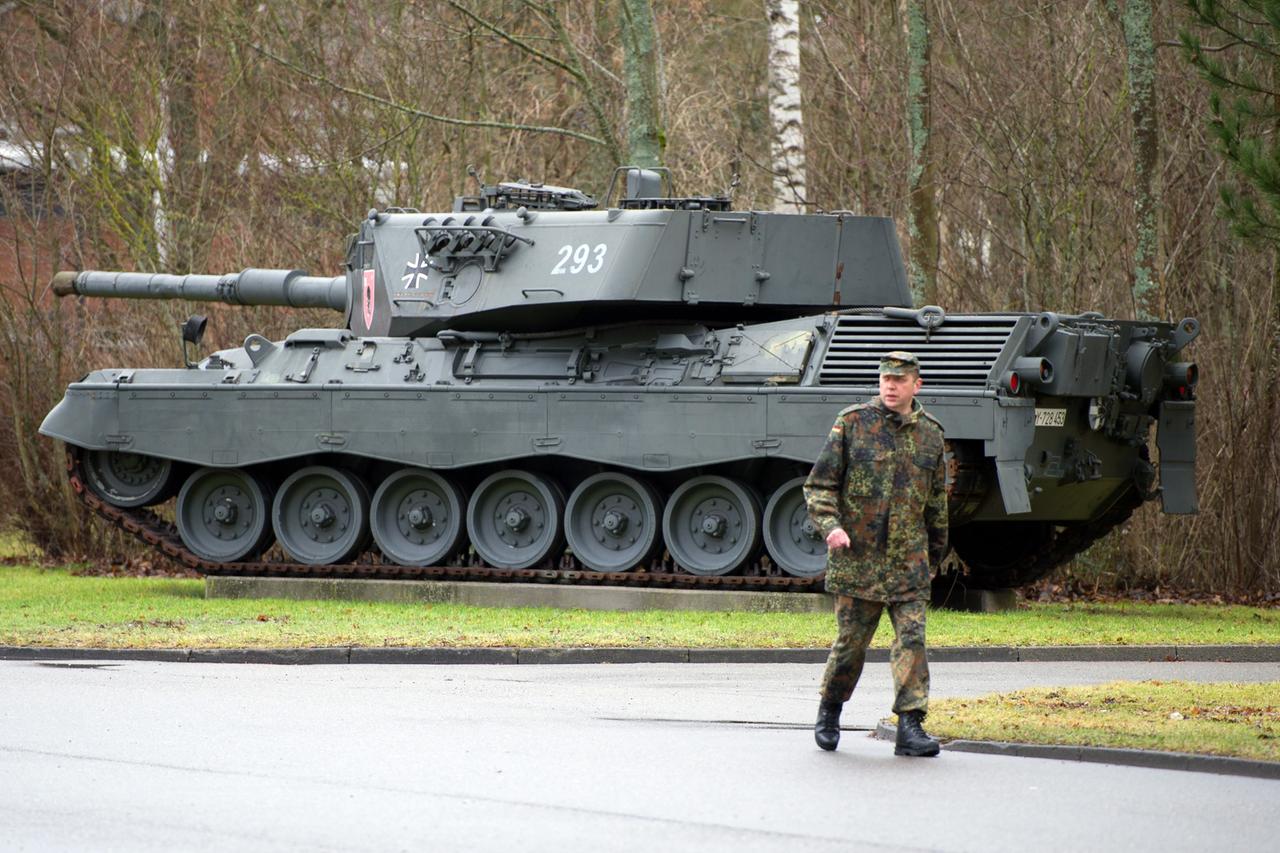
321 515
794 543
612 522
514 519
222 515
130 479
417 517
712 525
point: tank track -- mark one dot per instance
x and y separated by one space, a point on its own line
150 528
1058 548
1075 539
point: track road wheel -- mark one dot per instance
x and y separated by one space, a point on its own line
612 521
130 479
223 515
417 517
712 525
514 519
794 543
321 515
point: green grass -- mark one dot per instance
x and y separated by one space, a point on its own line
1241 720
52 607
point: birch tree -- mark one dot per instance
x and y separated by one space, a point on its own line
785 110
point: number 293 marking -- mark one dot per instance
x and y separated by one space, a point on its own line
579 258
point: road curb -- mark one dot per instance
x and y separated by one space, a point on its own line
1150 759
506 655
481 594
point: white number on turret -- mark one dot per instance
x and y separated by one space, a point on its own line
580 258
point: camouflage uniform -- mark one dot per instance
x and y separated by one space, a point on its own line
881 478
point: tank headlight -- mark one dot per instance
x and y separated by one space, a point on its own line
1143 370
1181 374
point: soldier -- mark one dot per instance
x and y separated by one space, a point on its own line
878 494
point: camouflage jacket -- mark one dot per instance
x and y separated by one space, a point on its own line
881 477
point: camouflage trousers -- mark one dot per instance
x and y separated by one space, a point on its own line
857 620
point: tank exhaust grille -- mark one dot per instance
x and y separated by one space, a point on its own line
958 354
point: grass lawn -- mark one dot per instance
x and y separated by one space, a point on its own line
52 607
1242 720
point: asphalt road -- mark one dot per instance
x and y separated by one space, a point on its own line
643 757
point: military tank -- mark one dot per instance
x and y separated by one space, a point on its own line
533 386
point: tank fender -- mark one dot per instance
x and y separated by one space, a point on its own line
1176 439
85 418
1014 430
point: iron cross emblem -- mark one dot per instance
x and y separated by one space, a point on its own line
415 272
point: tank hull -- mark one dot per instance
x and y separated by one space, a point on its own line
664 406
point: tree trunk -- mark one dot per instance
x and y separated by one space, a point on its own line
1140 55
645 137
785 113
923 224
179 45
172 36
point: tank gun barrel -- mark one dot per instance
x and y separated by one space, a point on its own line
248 287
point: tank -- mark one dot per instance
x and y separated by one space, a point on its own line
533 386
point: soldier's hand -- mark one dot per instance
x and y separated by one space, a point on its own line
837 539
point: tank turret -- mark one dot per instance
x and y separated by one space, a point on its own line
538 257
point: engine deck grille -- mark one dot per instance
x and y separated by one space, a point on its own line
958 354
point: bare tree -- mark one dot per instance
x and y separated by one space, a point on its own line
642 61
924 215
1140 67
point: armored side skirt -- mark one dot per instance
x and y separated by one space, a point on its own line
645 429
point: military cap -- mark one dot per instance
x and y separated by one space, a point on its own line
898 363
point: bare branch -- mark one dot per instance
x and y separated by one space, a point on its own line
460 122
515 40
1212 48
594 102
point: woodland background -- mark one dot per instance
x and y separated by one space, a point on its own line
1065 156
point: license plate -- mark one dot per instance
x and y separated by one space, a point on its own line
1051 417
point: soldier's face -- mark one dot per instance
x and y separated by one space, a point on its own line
898 391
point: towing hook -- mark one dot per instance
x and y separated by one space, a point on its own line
931 317
1143 477
928 318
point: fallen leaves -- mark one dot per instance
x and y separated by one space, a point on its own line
1233 713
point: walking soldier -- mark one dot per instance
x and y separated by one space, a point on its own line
878 494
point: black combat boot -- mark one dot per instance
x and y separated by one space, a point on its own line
827 730
912 739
